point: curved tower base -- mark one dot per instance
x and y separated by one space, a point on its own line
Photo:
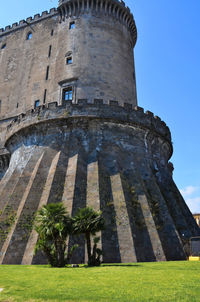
106 156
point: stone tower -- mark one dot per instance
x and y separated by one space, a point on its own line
71 131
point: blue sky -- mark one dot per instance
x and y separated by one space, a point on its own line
167 58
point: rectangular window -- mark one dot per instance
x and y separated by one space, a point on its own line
0 105
52 32
69 60
45 95
29 36
47 73
68 93
71 25
37 104
49 54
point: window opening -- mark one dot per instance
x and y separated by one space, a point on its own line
29 36
45 95
68 94
17 105
0 105
37 104
69 60
72 25
49 54
52 32
3 46
47 73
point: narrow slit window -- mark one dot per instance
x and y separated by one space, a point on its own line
29 36
69 60
52 32
37 103
49 54
17 105
45 95
68 94
0 106
47 73
72 25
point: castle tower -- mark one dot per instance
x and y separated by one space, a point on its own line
100 43
71 131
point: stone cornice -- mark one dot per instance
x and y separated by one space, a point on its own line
112 112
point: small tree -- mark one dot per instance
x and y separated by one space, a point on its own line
53 225
87 221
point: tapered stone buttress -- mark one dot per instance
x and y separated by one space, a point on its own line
93 146
110 157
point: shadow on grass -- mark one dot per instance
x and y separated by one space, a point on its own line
47 266
120 264
112 265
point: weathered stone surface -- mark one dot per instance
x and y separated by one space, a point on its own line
101 47
91 158
98 149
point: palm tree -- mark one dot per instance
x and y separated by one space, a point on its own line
53 225
87 221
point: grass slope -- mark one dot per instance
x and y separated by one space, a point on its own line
163 281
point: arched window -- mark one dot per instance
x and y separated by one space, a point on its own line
29 36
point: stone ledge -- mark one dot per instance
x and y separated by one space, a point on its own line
83 109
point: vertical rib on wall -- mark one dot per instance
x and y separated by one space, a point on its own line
100 163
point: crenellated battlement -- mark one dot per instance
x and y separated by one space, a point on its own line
126 115
28 21
113 8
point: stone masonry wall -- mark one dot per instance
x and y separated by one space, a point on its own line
97 148
102 66
112 158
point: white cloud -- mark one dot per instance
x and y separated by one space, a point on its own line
194 204
192 198
188 191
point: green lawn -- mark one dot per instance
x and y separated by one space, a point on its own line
163 281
